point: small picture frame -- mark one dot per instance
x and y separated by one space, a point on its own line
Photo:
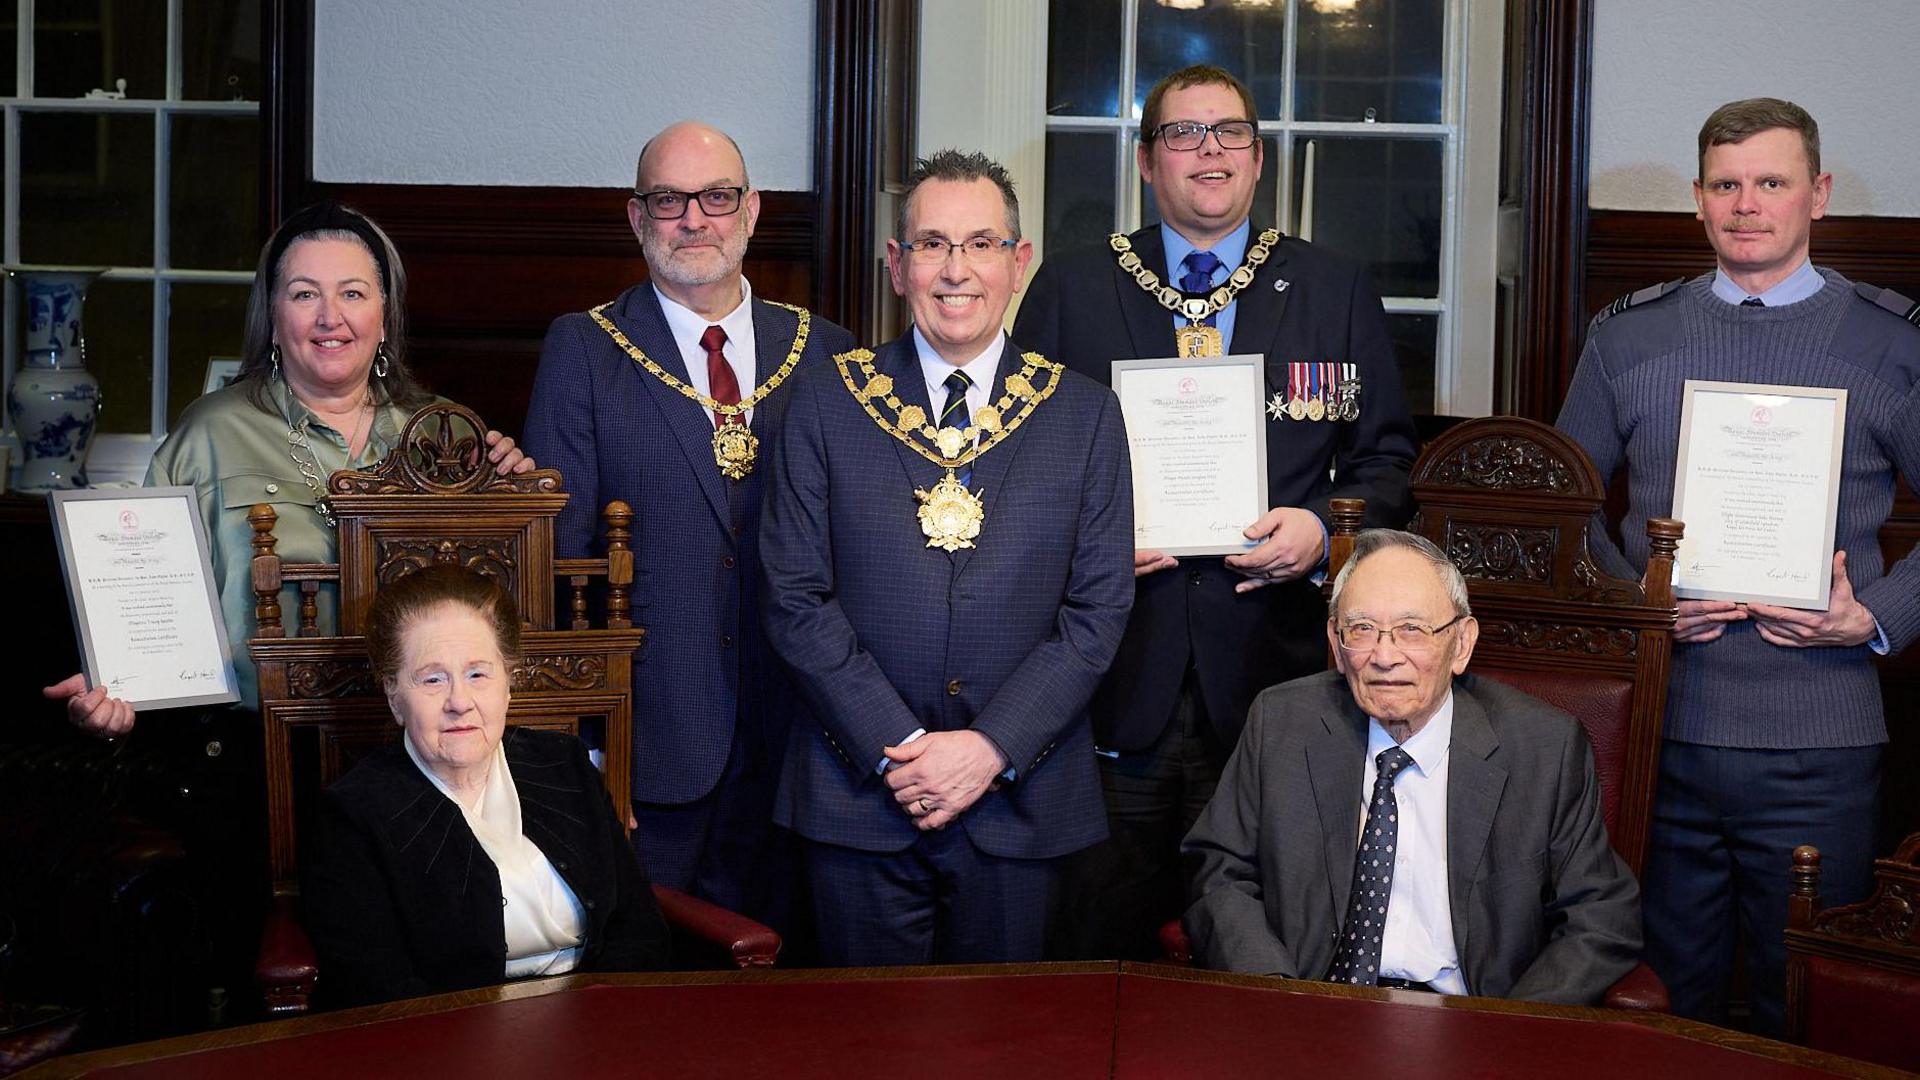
221 370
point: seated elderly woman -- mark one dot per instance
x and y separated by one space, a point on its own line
467 853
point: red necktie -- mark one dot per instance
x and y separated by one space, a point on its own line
722 385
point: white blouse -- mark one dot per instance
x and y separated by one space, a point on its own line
545 923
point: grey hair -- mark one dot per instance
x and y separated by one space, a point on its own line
1373 541
960 167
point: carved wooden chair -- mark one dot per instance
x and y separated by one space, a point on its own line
436 499
1853 972
1510 501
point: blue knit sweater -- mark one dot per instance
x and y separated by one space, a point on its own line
1624 409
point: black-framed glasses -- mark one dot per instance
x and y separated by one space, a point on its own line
672 205
1189 134
934 249
1411 637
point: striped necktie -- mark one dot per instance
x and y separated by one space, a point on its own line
955 414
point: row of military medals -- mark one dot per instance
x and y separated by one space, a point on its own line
1318 391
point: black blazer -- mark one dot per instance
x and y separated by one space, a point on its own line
1083 311
401 900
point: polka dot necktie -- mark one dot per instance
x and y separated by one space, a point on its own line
1199 276
1357 959
955 414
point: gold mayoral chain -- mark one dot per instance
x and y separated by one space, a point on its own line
950 515
735 446
1195 339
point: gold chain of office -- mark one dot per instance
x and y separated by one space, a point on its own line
735 447
1194 308
950 514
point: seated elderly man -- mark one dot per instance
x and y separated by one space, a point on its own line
1482 866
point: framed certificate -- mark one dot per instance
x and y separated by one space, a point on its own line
143 596
1197 431
1757 483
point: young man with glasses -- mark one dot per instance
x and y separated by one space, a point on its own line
1396 824
947 545
1208 633
668 398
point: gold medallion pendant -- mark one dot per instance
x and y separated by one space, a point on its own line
735 447
950 515
1196 340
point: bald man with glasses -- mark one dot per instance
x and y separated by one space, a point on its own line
1396 823
669 397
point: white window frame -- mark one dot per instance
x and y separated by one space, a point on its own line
121 456
1471 71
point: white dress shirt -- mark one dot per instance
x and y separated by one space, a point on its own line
688 326
982 370
1418 943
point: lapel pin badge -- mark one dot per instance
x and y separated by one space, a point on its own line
1280 284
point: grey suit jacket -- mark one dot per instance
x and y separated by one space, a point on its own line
1542 907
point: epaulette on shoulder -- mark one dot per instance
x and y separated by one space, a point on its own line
1890 300
1636 298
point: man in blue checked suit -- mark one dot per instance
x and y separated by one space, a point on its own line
669 398
948 553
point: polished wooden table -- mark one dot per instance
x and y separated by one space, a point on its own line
981 1023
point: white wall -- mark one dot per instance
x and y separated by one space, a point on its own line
555 92
1660 66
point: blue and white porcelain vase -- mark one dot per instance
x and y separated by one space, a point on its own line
54 400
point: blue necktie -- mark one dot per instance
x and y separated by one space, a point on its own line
1753 301
955 414
1357 957
1199 276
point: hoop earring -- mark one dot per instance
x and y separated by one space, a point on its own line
273 358
380 363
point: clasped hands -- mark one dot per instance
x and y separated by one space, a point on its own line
1291 544
1845 622
937 776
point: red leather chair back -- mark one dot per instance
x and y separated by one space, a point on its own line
1853 972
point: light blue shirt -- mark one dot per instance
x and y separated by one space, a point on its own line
1797 286
1417 943
1230 250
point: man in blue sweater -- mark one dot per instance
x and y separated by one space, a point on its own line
1774 720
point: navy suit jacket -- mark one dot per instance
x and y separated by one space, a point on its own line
885 634
617 432
1085 312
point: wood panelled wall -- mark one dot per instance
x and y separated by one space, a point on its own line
489 268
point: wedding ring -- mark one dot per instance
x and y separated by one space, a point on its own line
925 807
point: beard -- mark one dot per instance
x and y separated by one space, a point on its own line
667 261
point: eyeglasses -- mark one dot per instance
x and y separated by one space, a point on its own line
1411 637
1189 134
934 249
672 205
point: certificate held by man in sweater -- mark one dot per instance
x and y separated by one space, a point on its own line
1757 483
1198 437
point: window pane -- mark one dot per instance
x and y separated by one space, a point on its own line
1377 201
82 45
1266 190
1415 344
86 189
9 49
220 50
1378 57
215 194
1083 58
204 322
1079 190
118 326
1246 40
